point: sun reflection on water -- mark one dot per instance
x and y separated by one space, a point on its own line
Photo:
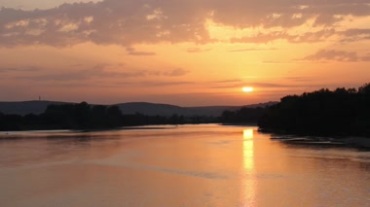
248 150
249 183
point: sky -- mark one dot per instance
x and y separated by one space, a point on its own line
183 52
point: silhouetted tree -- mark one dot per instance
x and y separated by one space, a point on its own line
82 116
244 115
324 112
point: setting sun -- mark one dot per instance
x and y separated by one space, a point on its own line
248 89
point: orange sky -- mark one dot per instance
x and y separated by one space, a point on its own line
184 52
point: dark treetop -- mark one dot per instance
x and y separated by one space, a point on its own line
340 112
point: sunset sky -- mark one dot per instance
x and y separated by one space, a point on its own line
183 52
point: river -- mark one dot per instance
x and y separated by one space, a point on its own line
185 166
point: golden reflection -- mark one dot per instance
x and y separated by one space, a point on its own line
248 134
248 150
248 168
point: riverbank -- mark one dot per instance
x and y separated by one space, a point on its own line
357 142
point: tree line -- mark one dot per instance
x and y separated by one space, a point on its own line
245 115
339 112
86 116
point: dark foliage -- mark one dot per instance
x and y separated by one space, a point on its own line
10 122
140 119
84 116
324 112
244 115
67 116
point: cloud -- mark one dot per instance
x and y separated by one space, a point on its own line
37 4
252 49
130 22
175 72
336 55
140 83
109 22
299 79
271 85
20 69
266 37
290 82
366 58
356 34
276 62
197 50
100 71
132 51
238 83
227 81
162 83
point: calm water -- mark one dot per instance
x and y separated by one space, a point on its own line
195 166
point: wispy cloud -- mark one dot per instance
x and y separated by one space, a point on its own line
252 49
277 62
356 34
175 72
132 51
101 72
162 83
20 69
266 37
197 50
336 55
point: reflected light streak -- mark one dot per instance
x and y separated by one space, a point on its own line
249 184
248 150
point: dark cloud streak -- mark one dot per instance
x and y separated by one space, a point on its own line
20 69
100 71
134 52
336 55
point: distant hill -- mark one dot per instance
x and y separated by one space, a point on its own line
26 107
168 110
38 107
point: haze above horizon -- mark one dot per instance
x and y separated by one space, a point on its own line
187 53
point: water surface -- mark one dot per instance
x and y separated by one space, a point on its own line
191 165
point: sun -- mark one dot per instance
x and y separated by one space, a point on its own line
247 89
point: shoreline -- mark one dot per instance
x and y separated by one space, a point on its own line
350 141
